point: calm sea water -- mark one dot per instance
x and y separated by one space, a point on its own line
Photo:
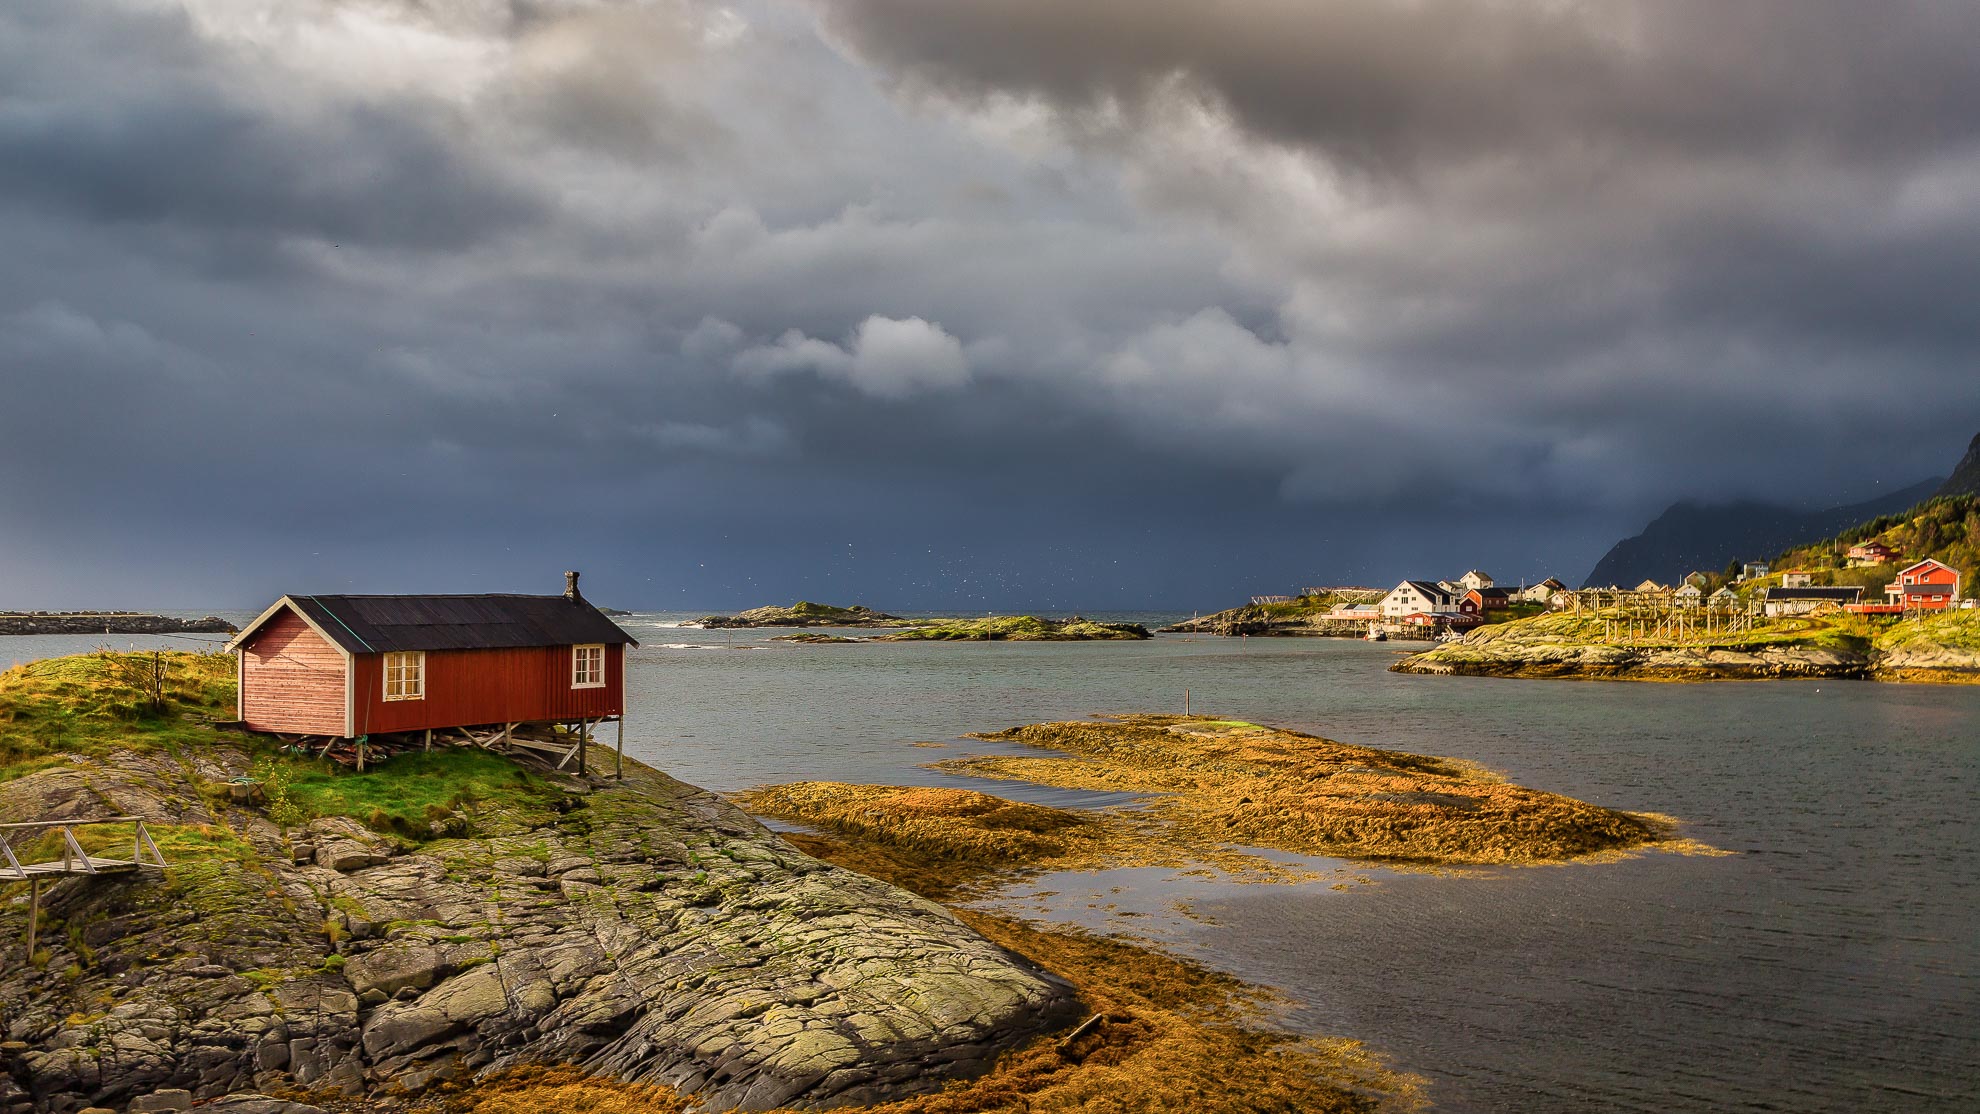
1831 964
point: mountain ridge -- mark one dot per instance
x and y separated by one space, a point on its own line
1691 535
1965 479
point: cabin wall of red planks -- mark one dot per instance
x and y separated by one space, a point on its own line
292 680
487 686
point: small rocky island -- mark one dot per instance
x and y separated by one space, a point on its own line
803 613
1211 789
107 622
449 915
992 628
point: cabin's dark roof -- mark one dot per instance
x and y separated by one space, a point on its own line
377 624
1813 593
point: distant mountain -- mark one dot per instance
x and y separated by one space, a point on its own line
1965 478
1693 536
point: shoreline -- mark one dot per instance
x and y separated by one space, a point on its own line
1942 648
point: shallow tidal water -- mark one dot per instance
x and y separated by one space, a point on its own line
1831 964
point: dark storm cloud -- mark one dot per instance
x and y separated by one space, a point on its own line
1394 86
177 142
969 301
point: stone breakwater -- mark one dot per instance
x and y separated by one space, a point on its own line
652 933
107 622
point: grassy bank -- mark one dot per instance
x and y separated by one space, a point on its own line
92 704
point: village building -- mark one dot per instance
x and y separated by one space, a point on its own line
1652 588
1475 579
1753 570
1258 600
1479 601
1927 585
1688 595
1544 592
1724 597
1797 578
1414 596
1870 553
353 667
1779 602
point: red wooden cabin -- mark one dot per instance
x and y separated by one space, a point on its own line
1928 585
355 666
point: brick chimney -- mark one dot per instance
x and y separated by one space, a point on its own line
570 587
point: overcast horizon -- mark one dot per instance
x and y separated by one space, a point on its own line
976 306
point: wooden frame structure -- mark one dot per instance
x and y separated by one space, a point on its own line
74 863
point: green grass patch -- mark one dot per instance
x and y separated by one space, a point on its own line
94 703
410 793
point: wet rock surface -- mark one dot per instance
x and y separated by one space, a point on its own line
652 933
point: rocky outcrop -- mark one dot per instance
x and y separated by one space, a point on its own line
803 614
106 622
1611 662
1943 648
650 932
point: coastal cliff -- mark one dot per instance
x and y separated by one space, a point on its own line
453 917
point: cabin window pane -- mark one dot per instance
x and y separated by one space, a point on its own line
587 667
405 675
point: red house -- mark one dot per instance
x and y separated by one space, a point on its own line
1477 601
356 666
1928 585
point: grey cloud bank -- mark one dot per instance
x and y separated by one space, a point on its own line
958 305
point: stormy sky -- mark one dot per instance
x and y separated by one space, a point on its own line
972 304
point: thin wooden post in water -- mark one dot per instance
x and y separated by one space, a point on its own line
1185 702
584 740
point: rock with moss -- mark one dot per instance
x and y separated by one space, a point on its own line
643 929
1939 648
1017 628
804 613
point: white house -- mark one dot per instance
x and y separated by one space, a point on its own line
1475 579
1412 596
1545 591
1689 595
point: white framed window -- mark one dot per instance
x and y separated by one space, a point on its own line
405 675
588 667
